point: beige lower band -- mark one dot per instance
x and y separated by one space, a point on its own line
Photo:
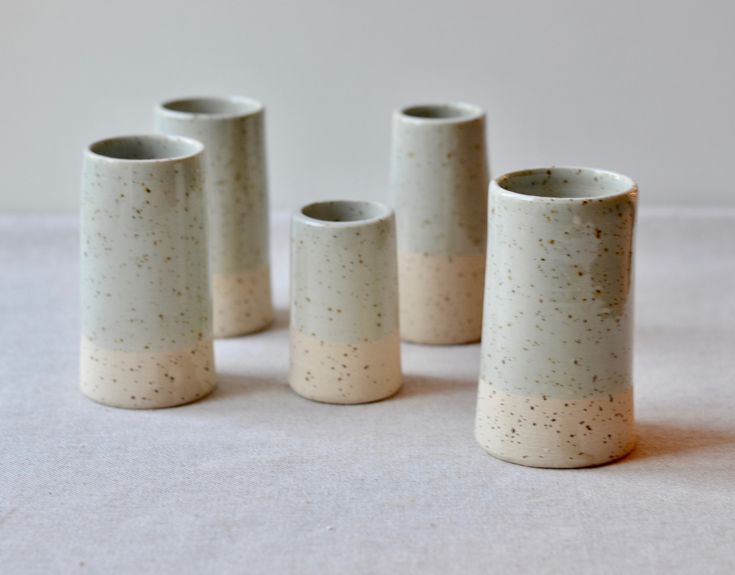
546 432
441 297
241 302
142 380
345 373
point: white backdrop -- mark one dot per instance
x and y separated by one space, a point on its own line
642 87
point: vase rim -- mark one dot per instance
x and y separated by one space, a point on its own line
435 113
151 148
343 213
511 184
211 107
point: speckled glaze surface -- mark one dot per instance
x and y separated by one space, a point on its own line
555 384
439 177
345 345
232 130
146 307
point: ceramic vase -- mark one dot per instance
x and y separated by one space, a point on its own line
439 177
232 130
146 326
345 344
555 384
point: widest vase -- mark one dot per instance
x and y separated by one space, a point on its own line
232 130
439 178
146 318
556 385
345 345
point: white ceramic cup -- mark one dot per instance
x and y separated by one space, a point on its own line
439 177
345 345
146 307
555 384
232 130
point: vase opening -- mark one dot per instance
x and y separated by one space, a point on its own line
214 106
147 147
442 111
345 211
566 183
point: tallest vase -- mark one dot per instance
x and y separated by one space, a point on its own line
232 130
439 178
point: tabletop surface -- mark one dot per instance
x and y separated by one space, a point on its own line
255 479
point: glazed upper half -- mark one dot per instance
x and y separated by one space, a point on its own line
439 177
343 260
558 312
233 133
143 245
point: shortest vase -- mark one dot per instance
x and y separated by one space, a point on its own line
345 344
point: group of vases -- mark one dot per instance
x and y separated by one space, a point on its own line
174 246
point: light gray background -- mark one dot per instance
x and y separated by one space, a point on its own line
646 88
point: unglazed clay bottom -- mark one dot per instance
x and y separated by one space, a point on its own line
241 302
547 432
441 297
334 372
129 379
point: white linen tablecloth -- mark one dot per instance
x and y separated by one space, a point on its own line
255 479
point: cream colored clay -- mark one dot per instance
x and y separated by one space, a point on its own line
242 302
440 297
547 432
141 380
345 373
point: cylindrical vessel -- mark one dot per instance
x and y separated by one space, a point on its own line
232 130
146 307
555 384
345 345
439 177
